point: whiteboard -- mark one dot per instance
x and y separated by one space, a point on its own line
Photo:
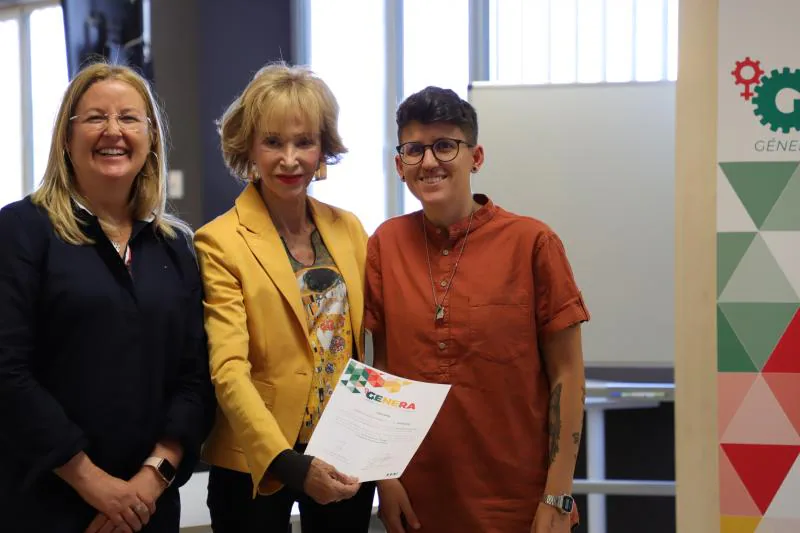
596 163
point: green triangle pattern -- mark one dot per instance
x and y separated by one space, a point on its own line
731 356
759 326
730 250
758 278
759 184
785 215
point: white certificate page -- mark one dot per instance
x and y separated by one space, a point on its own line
374 422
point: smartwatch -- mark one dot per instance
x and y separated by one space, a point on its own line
163 468
563 503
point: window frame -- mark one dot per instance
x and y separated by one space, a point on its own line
393 13
482 67
22 14
624 69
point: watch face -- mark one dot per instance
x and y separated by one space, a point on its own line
167 470
567 503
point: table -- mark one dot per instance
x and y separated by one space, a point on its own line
600 397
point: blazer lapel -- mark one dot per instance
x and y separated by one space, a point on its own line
263 240
337 238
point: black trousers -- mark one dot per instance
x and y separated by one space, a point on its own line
233 509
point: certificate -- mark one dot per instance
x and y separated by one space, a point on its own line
374 422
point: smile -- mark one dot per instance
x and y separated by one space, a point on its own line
112 151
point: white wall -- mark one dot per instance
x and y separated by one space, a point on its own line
595 162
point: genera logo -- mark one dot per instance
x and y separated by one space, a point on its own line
775 109
411 406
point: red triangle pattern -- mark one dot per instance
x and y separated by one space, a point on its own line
786 389
733 496
732 389
762 468
785 357
761 419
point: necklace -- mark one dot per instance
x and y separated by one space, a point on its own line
439 306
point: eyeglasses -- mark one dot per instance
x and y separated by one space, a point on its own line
127 122
444 150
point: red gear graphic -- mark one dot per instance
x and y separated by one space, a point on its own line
747 82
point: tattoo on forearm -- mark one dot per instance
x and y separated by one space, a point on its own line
583 395
576 438
555 421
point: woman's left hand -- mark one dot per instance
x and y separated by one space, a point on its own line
549 520
149 487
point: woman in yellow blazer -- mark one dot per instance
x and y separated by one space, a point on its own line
283 279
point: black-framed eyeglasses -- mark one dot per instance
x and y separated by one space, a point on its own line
444 150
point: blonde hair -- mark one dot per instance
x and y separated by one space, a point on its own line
148 195
277 93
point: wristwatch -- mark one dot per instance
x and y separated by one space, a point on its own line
163 468
563 503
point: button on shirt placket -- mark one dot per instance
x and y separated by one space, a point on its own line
444 263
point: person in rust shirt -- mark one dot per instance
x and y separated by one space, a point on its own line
469 294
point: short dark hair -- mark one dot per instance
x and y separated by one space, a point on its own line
434 104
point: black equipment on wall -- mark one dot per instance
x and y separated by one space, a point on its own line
117 31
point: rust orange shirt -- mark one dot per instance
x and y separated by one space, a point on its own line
483 465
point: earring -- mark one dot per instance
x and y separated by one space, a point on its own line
474 169
321 173
254 174
155 155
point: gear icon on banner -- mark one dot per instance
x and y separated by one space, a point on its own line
766 105
747 82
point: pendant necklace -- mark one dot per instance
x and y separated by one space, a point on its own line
439 306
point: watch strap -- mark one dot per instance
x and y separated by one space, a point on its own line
564 502
163 468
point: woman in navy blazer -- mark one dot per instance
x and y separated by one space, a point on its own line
105 396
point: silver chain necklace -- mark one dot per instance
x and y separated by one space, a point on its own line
439 306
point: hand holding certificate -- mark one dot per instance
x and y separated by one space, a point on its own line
374 422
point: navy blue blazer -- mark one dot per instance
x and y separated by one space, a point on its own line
94 358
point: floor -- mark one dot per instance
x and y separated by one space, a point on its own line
194 513
375 527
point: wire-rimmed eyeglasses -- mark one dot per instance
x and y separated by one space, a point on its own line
444 150
128 122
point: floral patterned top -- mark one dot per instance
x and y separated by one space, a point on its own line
324 295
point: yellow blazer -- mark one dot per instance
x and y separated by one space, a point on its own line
260 357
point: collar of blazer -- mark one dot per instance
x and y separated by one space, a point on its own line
264 241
